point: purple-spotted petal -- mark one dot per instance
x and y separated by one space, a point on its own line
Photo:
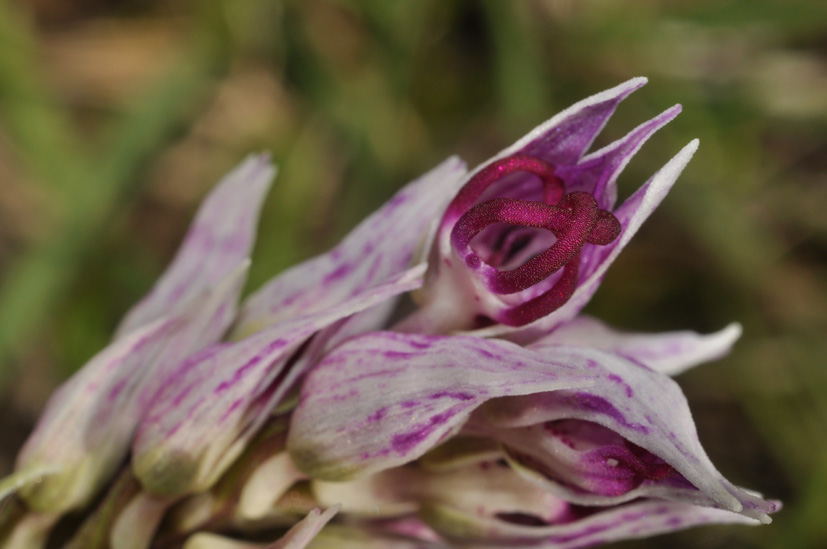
636 520
215 401
86 427
382 246
645 408
219 239
385 398
670 353
564 138
85 431
597 172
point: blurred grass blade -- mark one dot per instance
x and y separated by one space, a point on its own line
34 121
519 70
37 281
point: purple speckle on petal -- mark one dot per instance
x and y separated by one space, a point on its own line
378 415
397 200
398 355
116 390
240 373
405 442
447 394
418 344
600 405
233 407
488 354
619 380
339 273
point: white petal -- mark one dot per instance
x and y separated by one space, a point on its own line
385 398
670 353
219 239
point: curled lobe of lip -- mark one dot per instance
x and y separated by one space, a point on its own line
573 218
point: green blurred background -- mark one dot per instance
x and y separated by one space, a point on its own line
116 117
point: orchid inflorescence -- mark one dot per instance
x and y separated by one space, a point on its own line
487 411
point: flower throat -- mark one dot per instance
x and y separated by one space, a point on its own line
574 218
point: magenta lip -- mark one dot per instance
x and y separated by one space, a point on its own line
573 218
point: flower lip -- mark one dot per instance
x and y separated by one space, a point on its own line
573 218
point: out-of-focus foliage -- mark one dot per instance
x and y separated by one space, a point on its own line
116 117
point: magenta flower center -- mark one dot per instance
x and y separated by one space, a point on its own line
573 218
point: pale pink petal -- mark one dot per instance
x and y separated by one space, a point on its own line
636 520
644 407
564 138
597 172
670 353
382 246
384 399
217 399
85 430
219 239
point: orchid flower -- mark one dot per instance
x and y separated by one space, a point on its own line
526 241
581 410
493 413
